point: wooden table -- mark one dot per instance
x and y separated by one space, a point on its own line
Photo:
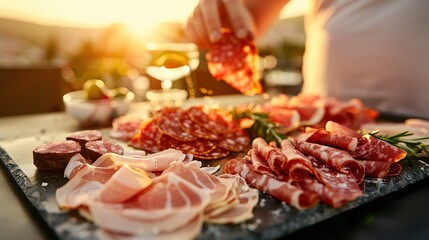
401 215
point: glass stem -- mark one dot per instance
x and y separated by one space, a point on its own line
166 84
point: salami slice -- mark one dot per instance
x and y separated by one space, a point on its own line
272 155
336 140
54 156
297 165
215 153
236 62
283 191
95 149
339 159
235 141
196 147
259 164
84 136
381 169
125 127
146 139
344 183
169 124
195 129
371 148
211 119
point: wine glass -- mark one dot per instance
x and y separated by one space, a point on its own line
169 62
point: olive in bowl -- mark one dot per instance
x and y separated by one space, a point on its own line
97 106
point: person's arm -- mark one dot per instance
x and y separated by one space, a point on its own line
247 18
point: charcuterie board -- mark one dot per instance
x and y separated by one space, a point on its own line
272 218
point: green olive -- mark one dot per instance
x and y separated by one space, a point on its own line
119 92
94 89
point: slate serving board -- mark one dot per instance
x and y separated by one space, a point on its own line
272 218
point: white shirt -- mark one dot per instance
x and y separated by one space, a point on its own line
374 50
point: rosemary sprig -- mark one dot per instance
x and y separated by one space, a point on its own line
262 126
413 146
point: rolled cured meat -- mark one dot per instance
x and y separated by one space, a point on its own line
339 159
281 190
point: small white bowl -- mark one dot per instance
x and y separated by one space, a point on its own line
96 112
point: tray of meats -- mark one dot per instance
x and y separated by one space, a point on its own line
199 174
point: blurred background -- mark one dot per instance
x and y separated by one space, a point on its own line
51 47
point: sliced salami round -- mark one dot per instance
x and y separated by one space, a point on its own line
94 149
125 127
84 136
195 129
235 141
54 156
197 147
236 62
169 124
146 138
215 153
211 120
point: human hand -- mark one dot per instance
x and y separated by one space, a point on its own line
210 16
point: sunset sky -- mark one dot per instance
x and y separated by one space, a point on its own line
98 13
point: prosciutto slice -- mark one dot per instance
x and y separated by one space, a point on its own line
127 197
155 162
281 190
168 204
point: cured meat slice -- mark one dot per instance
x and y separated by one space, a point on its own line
190 231
197 147
54 156
125 127
288 118
235 141
381 169
259 164
339 159
243 210
94 149
340 141
236 62
343 183
169 124
215 153
283 191
155 162
297 165
84 136
371 148
272 155
125 183
74 165
219 190
147 137
168 204
84 186
211 119
195 129
335 127
327 195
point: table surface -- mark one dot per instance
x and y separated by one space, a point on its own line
400 215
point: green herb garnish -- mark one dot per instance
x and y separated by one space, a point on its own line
262 127
413 146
